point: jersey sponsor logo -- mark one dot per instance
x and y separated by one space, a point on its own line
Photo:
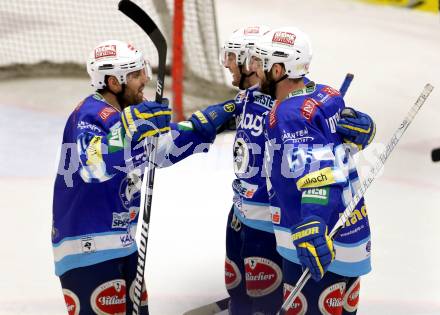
106 112
323 177
86 125
351 297
144 295
244 189
299 305
263 100
319 196
235 223
109 298
263 276
72 302
120 220
253 123
331 299
232 274
105 51
356 216
272 115
241 156
275 215
284 38
126 239
229 107
330 91
332 122
115 140
130 188
300 136
88 244
308 108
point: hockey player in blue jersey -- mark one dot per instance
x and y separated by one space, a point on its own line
311 177
97 188
253 274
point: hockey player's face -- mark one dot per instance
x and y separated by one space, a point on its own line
231 64
255 65
134 91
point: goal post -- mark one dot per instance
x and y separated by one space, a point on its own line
178 56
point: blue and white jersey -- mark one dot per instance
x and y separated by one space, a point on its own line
251 201
311 172
97 189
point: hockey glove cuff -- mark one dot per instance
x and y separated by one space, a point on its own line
314 247
209 120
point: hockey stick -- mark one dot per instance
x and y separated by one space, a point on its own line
346 84
360 193
142 19
210 309
222 305
435 155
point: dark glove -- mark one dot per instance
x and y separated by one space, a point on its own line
314 247
146 119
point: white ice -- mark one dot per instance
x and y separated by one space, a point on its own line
392 52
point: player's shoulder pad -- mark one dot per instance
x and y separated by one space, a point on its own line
325 93
327 100
95 112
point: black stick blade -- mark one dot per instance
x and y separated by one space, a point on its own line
435 155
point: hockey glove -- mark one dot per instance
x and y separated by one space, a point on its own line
356 127
314 247
207 121
146 119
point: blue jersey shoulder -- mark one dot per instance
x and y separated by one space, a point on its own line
94 113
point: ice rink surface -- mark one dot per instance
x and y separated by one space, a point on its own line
392 52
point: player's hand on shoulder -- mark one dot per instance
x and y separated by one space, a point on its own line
356 127
209 120
146 119
314 247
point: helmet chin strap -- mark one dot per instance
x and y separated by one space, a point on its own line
273 83
243 77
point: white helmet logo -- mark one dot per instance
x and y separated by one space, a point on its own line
105 51
252 30
284 38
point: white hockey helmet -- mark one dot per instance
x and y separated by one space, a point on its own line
287 45
114 57
239 43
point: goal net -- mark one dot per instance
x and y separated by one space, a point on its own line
54 37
